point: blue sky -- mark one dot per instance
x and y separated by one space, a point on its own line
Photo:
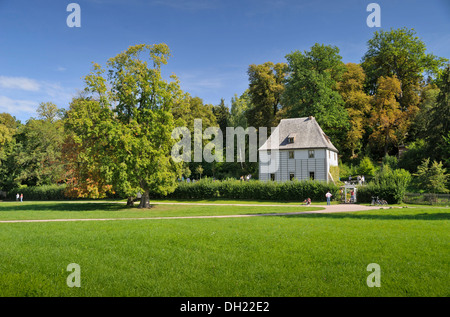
212 41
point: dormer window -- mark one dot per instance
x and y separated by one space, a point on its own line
291 138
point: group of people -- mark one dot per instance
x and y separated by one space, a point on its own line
19 197
360 179
352 196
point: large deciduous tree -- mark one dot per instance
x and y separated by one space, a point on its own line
400 53
387 120
265 90
311 89
136 102
357 104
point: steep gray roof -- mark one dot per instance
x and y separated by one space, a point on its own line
307 135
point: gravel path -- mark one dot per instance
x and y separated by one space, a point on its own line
327 209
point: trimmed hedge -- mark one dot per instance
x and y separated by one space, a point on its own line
253 190
43 192
365 193
209 189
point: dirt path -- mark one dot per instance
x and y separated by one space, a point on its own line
327 209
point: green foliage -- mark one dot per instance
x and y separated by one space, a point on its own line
400 53
222 114
416 152
357 103
388 184
334 171
253 190
44 192
265 90
239 107
432 178
138 104
48 111
346 170
390 161
311 90
37 153
366 167
446 149
439 126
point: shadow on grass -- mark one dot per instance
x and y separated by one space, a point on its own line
355 215
63 206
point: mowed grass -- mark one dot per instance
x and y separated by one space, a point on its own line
118 209
301 255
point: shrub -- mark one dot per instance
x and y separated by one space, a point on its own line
388 184
366 167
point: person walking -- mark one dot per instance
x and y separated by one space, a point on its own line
328 195
21 197
17 197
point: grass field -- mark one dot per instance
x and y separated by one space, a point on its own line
288 256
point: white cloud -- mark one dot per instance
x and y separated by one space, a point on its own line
21 83
17 107
20 96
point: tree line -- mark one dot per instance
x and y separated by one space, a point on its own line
115 136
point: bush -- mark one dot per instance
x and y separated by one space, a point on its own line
388 184
253 190
366 167
43 192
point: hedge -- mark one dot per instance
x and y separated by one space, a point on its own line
365 193
209 189
253 190
43 192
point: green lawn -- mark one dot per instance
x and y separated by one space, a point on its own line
302 255
98 209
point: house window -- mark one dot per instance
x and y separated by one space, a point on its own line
272 177
291 154
291 140
311 176
268 152
311 154
291 176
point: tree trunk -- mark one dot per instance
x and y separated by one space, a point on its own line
130 201
145 200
